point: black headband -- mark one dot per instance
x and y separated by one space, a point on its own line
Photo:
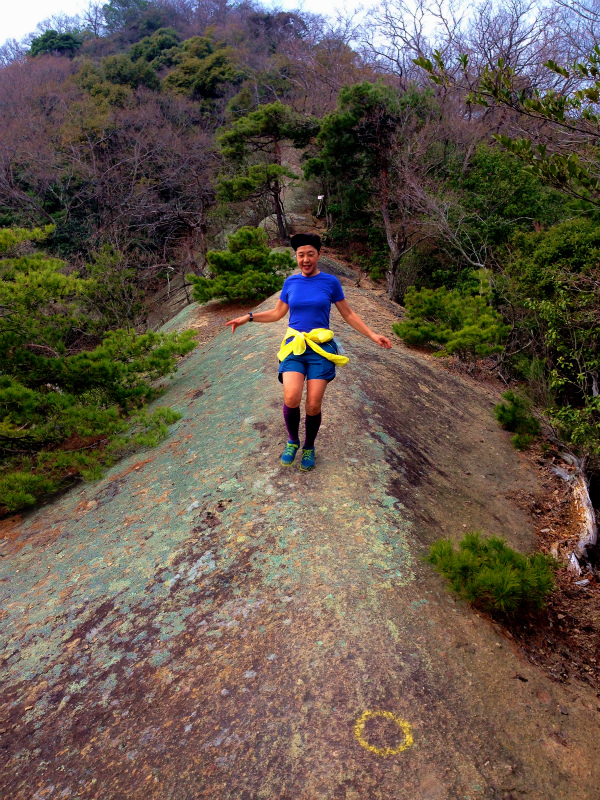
301 239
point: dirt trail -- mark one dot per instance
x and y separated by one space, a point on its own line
204 623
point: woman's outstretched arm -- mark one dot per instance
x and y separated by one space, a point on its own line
356 322
273 315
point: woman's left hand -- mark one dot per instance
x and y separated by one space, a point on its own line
382 341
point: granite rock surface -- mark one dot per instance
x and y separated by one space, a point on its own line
205 623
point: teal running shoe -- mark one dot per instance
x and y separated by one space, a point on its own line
289 454
308 459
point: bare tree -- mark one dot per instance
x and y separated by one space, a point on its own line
12 52
400 30
93 18
61 23
580 24
138 177
523 33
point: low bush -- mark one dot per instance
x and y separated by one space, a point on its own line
247 270
71 401
551 280
375 265
515 415
24 479
493 576
462 324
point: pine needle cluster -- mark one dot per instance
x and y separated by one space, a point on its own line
492 576
514 414
460 324
247 270
71 400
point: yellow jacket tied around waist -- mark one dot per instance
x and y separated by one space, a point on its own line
298 345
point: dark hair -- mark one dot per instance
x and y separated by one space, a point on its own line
301 239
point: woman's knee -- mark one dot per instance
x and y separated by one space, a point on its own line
292 399
313 407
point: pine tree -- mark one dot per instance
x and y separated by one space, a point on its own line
68 407
252 152
358 148
204 69
157 50
491 575
462 324
53 43
247 270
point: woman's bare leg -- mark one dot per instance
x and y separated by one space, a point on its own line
293 383
315 389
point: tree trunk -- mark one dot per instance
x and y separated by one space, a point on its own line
392 241
392 276
587 515
283 234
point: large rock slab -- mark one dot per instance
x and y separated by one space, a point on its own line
204 623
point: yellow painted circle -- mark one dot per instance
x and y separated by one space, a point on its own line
359 729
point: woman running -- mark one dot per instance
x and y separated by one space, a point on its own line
308 350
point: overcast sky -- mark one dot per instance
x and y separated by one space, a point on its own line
20 17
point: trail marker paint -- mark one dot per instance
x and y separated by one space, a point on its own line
359 729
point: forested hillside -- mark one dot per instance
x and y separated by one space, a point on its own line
456 155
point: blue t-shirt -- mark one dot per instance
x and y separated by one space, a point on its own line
310 300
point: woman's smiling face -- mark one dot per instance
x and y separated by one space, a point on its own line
308 258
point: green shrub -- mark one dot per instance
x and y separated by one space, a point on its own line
204 69
493 576
522 441
465 325
552 279
54 43
122 71
20 489
375 264
581 426
114 296
247 270
67 411
40 474
515 415
157 50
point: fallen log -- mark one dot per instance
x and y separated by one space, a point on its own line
589 526
585 510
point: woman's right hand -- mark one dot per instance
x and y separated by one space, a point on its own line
235 323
